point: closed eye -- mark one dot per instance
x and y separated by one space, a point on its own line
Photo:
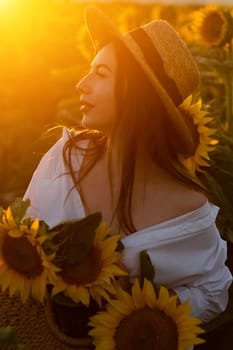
102 70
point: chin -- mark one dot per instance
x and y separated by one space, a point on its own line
89 123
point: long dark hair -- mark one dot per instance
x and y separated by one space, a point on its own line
142 124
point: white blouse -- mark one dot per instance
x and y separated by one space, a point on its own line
187 252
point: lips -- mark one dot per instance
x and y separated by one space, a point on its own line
85 106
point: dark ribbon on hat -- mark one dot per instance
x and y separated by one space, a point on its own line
155 62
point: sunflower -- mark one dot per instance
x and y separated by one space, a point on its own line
144 320
93 275
198 121
213 26
24 267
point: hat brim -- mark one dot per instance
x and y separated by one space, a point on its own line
102 30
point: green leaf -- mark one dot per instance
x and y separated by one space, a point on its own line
19 208
120 246
27 222
222 319
77 238
147 269
43 228
87 225
7 336
61 299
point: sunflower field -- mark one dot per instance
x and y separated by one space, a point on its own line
44 52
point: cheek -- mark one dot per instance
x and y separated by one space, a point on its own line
103 116
107 113
108 106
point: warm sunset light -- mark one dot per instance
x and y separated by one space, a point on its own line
6 2
154 160
7 7
45 50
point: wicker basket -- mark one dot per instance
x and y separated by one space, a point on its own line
35 325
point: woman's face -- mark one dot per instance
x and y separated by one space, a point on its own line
98 97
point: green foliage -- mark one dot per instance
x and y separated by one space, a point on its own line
146 268
19 208
218 179
7 337
73 247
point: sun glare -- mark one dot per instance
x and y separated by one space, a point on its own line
6 3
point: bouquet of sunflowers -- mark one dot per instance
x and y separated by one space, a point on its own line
68 277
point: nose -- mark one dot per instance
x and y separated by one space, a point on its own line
83 86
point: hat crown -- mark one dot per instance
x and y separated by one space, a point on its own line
178 62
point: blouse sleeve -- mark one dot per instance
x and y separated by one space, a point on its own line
189 257
207 289
51 191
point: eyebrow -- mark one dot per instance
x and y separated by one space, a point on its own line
100 65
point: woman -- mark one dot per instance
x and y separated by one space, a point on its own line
127 163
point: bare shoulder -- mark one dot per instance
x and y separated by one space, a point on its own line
187 199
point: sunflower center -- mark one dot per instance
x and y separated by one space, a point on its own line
21 256
85 271
212 27
147 329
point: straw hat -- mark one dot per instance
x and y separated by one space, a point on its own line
164 58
